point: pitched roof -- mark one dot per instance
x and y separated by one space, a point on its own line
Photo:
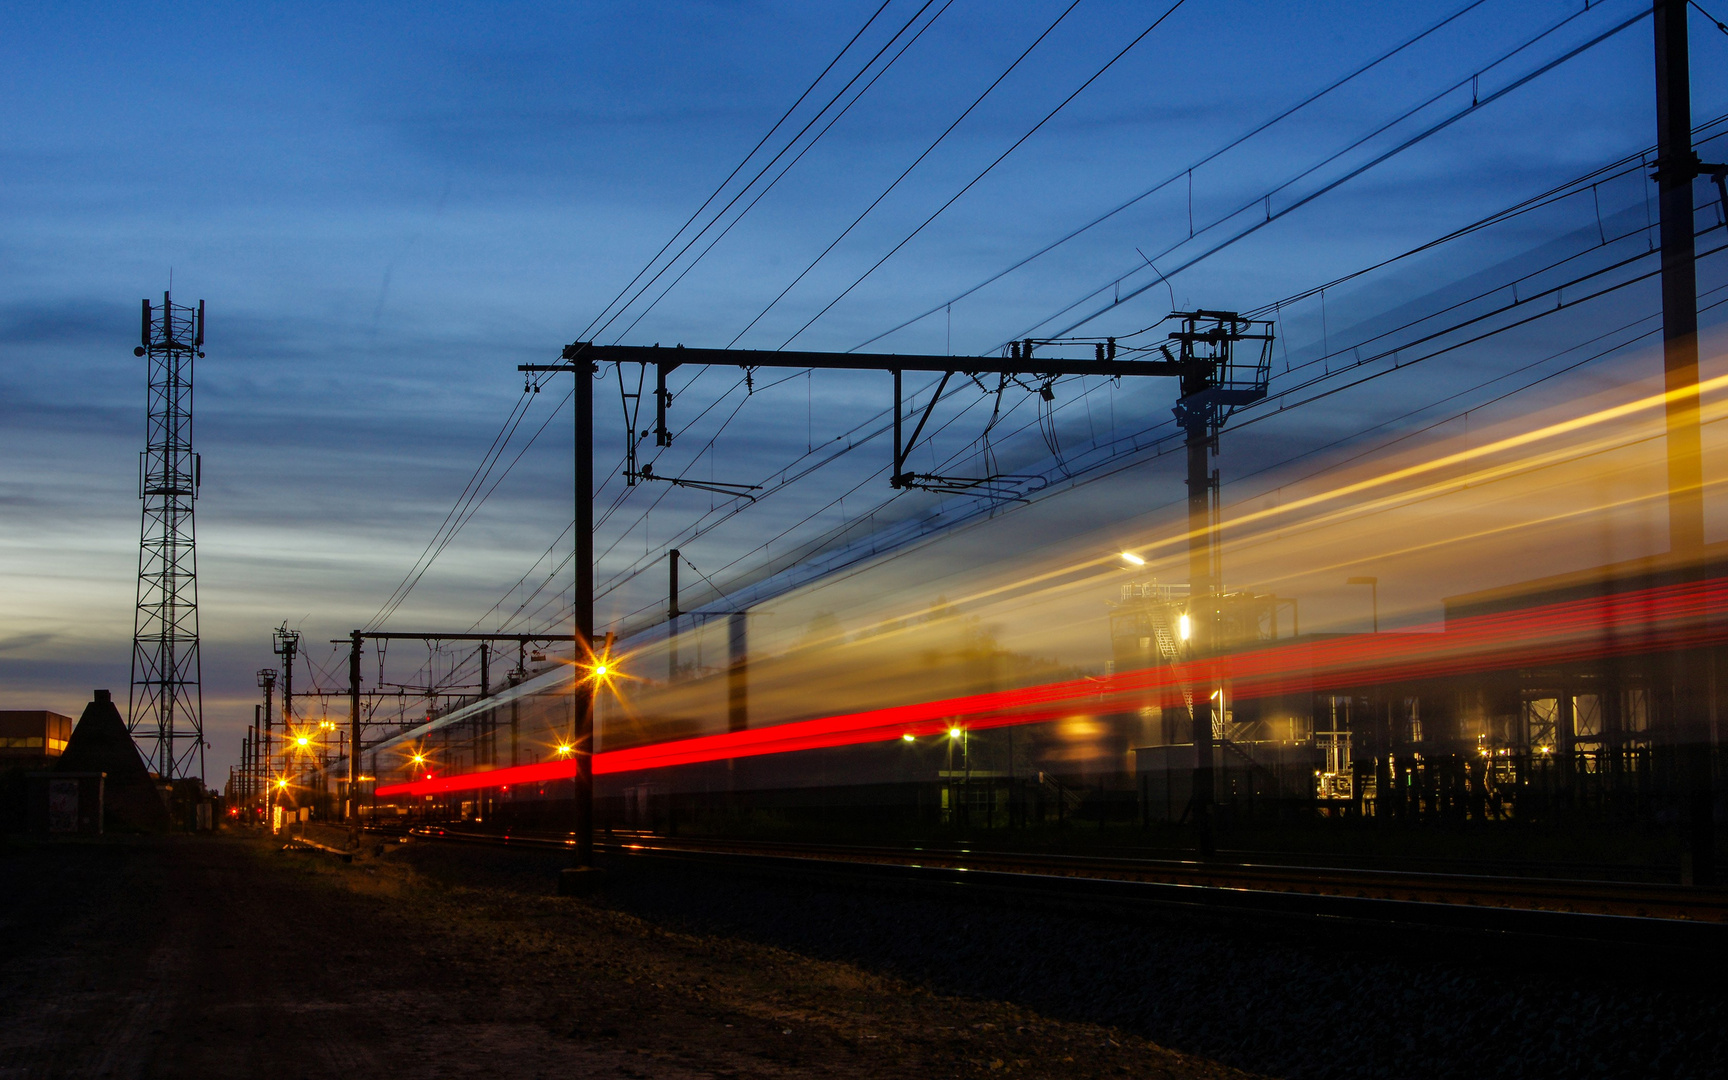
101 743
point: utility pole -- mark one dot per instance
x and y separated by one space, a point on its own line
353 807
579 363
582 615
1677 166
1202 482
286 644
672 614
672 611
356 642
166 700
267 681
517 676
1213 386
1211 390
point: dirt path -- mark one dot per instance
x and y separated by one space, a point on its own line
223 957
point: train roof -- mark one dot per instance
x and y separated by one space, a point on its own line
1650 571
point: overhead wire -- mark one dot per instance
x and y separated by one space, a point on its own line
721 213
475 502
414 574
1500 216
1259 222
1331 374
481 470
1359 70
1503 91
895 183
1180 173
1720 25
808 146
736 169
1048 428
970 184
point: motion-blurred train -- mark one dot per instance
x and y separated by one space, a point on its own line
1586 693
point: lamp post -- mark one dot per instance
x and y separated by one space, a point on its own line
1373 584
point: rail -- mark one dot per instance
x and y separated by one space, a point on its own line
1583 910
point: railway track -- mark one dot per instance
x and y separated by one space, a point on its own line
1667 916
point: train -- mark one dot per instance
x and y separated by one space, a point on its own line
1579 697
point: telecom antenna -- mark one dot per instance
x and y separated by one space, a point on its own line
166 707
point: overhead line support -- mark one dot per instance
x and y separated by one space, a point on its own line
1214 384
1677 166
354 641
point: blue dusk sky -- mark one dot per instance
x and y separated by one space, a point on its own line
387 208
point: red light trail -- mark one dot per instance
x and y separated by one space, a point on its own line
1629 623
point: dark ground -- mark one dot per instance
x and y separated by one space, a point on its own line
1300 998
194 957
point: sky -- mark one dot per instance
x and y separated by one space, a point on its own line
388 209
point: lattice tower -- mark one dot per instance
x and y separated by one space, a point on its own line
166 707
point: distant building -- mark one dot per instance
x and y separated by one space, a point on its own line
133 799
32 738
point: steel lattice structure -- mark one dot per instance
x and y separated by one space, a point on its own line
166 708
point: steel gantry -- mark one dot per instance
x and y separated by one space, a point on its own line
355 642
1214 382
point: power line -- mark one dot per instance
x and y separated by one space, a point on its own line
1332 374
1130 47
1179 174
400 593
1288 111
1426 317
1720 25
759 174
751 205
939 211
928 150
745 160
1260 222
986 170
472 507
1550 30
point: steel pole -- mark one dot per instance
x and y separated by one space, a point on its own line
354 739
1676 168
584 683
1200 616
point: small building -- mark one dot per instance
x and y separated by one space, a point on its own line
132 800
32 738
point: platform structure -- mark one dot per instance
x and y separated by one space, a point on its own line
165 711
